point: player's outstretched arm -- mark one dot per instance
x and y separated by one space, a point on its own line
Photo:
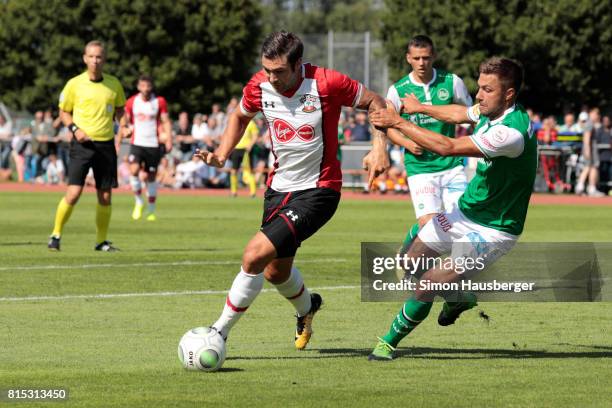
236 126
446 113
376 161
432 141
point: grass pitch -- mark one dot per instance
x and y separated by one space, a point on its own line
106 326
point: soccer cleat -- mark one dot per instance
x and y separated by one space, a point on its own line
137 213
151 217
303 330
54 243
382 352
106 246
452 310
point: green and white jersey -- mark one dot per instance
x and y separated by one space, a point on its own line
498 195
445 88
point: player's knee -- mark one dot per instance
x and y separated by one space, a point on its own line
72 199
255 258
104 197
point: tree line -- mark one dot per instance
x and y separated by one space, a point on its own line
202 51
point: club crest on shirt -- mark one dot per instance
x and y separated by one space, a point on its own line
443 94
309 102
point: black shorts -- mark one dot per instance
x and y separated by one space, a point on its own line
259 154
236 157
290 218
148 157
100 156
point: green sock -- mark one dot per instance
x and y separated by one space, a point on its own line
410 236
413 312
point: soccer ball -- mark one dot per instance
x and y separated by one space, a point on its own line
202 348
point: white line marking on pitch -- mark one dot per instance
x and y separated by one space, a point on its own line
153 264
152 294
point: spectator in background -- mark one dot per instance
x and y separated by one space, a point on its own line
589 123
569 124
583 122
123 172
55 170
199 130
184 138
20 150
63 139
53 126
42 135
6 135
165 173
348 128
547 135
218 115
536 121
603 137
361 130
215 131
231 106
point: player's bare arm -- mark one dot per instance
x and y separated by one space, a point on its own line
377 160
166 131
78 133
446 113
236 126
434 142
399 139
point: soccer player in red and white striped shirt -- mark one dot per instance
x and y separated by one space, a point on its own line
301 103
150 135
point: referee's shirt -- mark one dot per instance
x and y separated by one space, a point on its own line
93 104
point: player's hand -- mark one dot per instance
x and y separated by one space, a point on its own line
81 136
414 148
168 146
210 158
375 163
385 118
126 131
410 104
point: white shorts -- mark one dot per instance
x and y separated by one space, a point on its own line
433 193
451 232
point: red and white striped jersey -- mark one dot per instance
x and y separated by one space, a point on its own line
303 125
145 119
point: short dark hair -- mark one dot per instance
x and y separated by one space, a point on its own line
420 41
145 78
282 43
509 72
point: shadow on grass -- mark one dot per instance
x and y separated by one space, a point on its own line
433 353
29 243
182 250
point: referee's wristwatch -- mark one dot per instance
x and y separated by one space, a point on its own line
73 128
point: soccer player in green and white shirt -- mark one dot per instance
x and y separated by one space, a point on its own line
436 182
491 214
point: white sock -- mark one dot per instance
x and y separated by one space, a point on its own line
152 194
296 292
137 189
244 290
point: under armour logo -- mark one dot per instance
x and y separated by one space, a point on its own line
291 215
268 104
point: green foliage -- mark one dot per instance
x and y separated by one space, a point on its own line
198 52
564 45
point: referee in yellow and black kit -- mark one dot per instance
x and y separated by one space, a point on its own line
88 106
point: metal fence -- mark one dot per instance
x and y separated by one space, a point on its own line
356 54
